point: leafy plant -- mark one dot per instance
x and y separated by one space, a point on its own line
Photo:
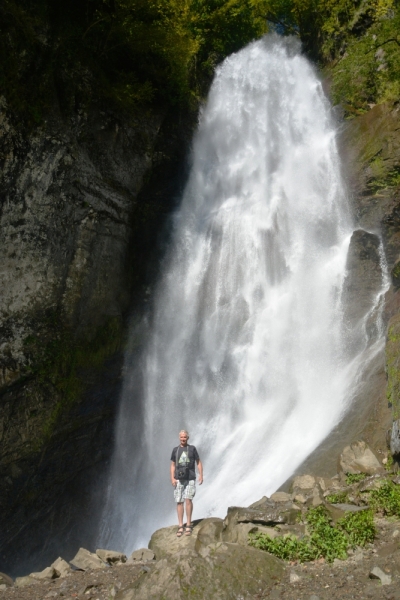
338 498
286 548
127 53
330 542
354 478
324 540
389 463
368 72
386 499
359 527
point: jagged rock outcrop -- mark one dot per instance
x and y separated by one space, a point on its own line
364 275
82 201
358 458
69 195
228 571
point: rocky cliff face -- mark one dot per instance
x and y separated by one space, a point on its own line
82 201
372 149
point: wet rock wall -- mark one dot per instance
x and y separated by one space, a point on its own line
83 200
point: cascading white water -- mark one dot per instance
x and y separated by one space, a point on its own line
245 345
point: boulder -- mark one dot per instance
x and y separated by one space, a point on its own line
228 572
6 580
142 555
297 530
317 496
377 573
164 542
48 573
238 533
239 522
338 511
395 438
25 581
210 531
271 532
85 560
363 280
359 458
301 498
326 483
269 514
303 487
281 497
61 567
110 556
303 482
260 502
370 484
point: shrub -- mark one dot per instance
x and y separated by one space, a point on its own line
359 527
338 498
324 540
354 477
386 499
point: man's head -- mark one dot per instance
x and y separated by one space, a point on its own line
183 437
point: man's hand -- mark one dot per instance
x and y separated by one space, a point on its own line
200 479
174 482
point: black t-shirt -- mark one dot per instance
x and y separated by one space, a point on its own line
187 458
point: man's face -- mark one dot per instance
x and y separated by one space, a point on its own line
183 438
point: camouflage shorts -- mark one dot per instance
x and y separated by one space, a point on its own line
185 490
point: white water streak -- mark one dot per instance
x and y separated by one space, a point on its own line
245 347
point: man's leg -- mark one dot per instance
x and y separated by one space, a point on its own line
189 510
179 508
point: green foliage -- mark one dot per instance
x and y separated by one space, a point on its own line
128 52
354 478
133 53
324 540
338 498
368 70
386 499
358 38
359 527
330 542
286 548
390 461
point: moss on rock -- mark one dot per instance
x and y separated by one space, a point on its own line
61 364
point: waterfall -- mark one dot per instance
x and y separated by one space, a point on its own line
245 345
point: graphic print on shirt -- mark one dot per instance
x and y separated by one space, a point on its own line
184 458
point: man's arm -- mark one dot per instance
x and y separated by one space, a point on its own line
172 473
200 468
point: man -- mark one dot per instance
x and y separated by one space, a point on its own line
183 477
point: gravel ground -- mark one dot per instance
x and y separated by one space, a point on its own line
349 578
309 581
99 584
